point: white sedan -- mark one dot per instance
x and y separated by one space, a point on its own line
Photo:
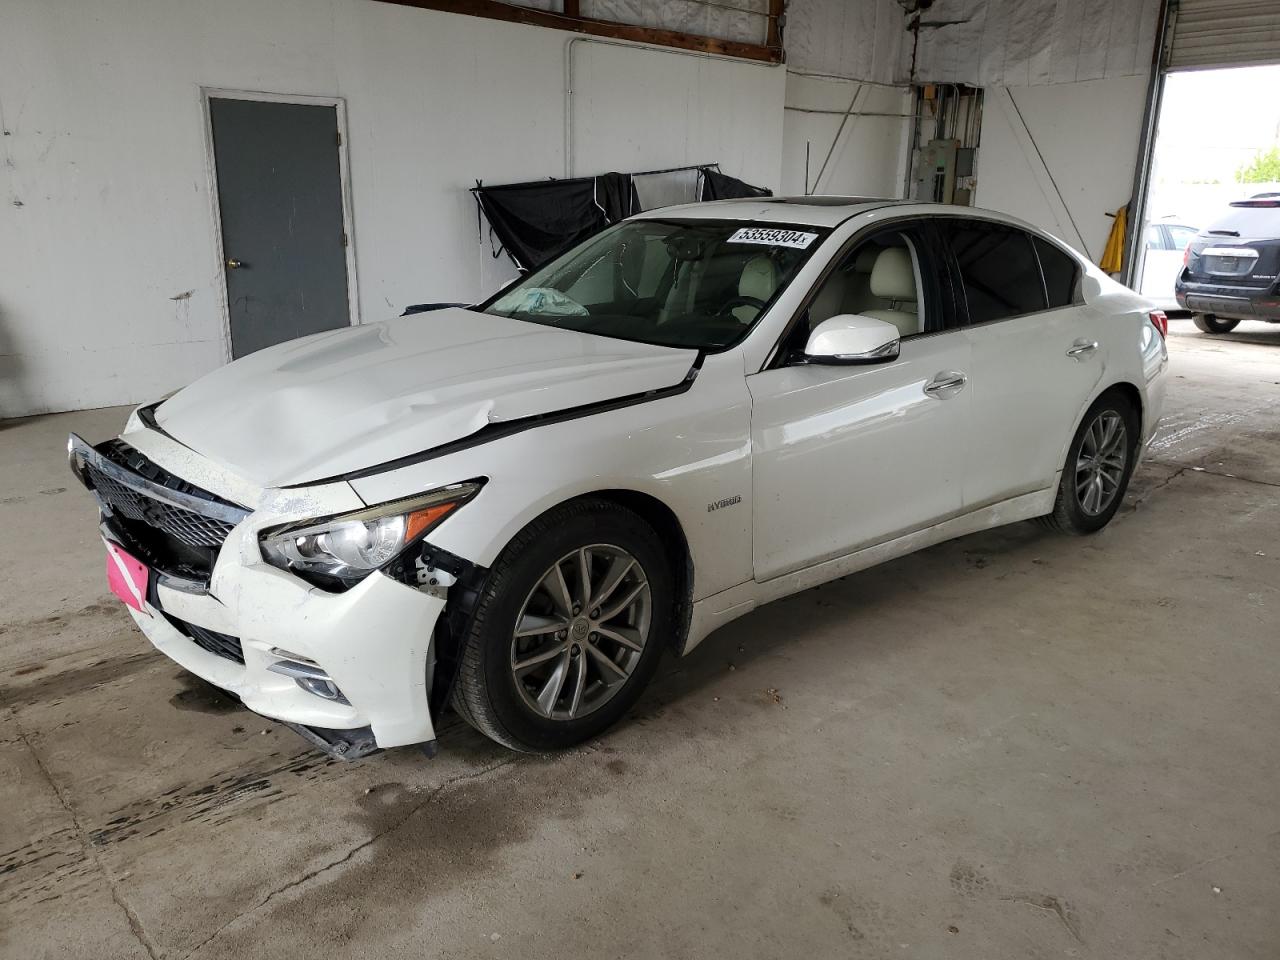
517 507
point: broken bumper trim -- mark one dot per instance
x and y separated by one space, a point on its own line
339 744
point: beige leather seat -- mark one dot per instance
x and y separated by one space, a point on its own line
848 290
894 278
858 295
830 300
759 279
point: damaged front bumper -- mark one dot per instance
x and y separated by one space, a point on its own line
352 671
373 643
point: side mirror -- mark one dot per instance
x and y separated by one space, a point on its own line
852 338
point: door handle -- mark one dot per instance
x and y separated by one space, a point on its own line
946 384
234 264
1082 348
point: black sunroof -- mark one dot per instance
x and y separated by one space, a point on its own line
830 201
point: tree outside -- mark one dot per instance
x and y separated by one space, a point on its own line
1263 168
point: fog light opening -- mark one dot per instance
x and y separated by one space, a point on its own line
321 687
310 678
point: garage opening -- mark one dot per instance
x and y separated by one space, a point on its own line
1211 162
1217 143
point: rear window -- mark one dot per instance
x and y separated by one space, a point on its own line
1255 223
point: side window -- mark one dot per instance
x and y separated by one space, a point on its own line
898 274
1181 236
1060 274
891 276
1155 239
879 278
998 269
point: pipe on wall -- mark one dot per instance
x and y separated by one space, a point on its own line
857 93
855 113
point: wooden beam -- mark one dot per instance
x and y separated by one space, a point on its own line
773 38
495 10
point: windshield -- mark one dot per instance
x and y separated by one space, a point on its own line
691 283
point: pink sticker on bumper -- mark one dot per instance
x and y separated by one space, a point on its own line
127 578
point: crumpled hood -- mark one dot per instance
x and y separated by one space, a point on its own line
362 396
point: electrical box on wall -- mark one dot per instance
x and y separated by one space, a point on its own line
944 173
936 171
944 168
965 180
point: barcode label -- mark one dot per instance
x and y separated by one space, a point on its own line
773 238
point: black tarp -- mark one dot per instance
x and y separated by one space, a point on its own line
720 186
617 194
537 221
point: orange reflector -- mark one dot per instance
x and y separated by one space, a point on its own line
421 520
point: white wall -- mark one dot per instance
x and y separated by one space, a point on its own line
638 109
110 286
1087 133
870 156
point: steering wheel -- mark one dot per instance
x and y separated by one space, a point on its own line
740 301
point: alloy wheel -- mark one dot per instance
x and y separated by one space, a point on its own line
1101 463
581 631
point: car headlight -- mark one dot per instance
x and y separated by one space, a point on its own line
341 551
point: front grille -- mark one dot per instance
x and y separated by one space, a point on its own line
185 526
173 526
220 644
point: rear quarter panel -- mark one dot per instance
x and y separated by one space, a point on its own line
1136 352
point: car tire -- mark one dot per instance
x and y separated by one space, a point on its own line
520 706
1208 323
1094 479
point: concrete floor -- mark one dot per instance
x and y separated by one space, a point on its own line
1011 745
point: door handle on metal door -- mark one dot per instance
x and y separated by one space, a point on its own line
234 264
1082 348
946 384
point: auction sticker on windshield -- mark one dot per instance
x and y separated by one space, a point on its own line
773 237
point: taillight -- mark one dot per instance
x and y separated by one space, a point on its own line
1160 322
1186 255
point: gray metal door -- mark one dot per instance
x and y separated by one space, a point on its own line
280 198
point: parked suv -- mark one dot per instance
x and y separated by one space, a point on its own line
1231 269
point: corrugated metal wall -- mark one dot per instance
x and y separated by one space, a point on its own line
1012 43
857 39
741 20
981 42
